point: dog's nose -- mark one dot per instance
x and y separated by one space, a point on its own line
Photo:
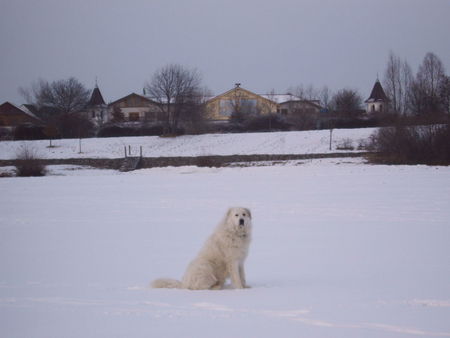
241 221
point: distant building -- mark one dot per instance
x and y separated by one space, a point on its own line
238 99
13 116
135 108
221 107
295 106
377 101
97 110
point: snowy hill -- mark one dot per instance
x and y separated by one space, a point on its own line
300 142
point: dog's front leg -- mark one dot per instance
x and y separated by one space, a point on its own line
235 275
242 275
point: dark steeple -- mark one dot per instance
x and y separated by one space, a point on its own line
96 98
377 93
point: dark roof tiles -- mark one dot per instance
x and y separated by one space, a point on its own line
377 93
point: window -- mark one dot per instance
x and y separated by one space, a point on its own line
248 106
133 117
225 108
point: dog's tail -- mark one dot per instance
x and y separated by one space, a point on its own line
166 283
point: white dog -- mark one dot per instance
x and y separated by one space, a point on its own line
221 257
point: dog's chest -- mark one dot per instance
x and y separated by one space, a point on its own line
239 245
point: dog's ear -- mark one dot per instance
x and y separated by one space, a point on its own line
249 212
229 212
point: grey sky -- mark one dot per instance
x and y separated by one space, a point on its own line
262 44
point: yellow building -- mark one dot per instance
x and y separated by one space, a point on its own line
238 101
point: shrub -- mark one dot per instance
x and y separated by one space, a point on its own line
6 133
413 145
209 161
117 130
28 163
29 132
75 126
231 127
345 144
268 122
152 130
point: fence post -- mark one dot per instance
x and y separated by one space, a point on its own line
140 152
129 150
331 136
125 148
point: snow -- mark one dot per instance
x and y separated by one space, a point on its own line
281 98
340 249
300 142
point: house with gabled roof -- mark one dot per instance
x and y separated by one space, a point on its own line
13 116
221 107
238 100
291 106
136 108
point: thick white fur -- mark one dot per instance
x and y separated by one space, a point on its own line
221 257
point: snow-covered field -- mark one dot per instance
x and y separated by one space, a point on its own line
300 142
339 250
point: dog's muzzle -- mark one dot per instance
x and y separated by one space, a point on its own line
241 222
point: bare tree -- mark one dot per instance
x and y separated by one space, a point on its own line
325 97
406 80
308 92
173 87
444 94
392 83
66 96
193 111
425 91
397 83
57 102
431 73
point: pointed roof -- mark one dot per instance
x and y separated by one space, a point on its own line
96 98
377 93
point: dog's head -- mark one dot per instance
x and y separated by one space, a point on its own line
239 219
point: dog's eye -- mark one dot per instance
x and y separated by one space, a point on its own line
244 215
236 215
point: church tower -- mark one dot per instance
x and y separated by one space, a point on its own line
378 101
97 108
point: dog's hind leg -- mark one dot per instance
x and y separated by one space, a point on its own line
201 277
217 286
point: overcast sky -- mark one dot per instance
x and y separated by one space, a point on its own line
262 44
